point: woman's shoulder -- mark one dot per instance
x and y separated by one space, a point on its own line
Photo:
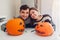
46 15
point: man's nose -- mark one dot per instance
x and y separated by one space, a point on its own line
24 14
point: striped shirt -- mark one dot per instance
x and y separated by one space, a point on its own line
45 18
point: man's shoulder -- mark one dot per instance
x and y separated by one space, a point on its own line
18 17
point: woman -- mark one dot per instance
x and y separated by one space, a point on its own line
35 17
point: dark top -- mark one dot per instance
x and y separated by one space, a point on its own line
27 22
45 18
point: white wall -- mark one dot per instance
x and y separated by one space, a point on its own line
6 9
17 5
56 14
28 2
46 6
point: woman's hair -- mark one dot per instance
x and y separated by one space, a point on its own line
32 8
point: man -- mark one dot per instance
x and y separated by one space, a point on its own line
24 14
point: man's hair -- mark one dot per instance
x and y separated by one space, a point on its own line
32 8
24 7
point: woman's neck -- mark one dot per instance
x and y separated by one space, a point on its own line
39 18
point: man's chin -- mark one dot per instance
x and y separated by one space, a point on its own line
24 18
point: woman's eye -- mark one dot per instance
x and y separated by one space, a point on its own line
32 12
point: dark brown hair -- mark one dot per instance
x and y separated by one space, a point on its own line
32 8
24 7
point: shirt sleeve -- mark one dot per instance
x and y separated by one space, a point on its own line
49 19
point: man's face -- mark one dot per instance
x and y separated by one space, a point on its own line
34 14
24 14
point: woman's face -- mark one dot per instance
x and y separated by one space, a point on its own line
34 14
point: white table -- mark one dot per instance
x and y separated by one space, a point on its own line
27 36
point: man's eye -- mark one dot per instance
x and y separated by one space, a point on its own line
22 12
27 13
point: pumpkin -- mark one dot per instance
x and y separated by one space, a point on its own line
15 26
44 29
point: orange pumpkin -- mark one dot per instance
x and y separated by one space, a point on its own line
15 26
44 29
